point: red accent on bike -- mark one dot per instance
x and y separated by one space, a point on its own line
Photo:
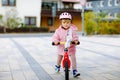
66 58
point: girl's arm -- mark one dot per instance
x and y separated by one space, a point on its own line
55 37
75 35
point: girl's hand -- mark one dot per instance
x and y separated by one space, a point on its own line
55 43
76 42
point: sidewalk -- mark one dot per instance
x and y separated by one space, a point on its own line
33 58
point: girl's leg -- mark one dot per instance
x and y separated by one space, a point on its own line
73 61
59 59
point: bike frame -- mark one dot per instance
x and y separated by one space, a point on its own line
66 58
66 62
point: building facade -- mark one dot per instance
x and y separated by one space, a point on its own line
51 9
111 7
41 13
45 13
28 10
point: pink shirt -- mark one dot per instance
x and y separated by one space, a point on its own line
60 36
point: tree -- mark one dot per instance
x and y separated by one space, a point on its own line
118 15
102 14
1 20
100 24
11 19
91 25
2 24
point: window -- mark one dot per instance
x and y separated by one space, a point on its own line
117 2
90 4
48 5
30 20
110 14
110 3
8 2
102 3
87 5
68 5
50 21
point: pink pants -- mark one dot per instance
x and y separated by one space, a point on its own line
72 57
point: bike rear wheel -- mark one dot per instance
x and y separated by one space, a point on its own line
66 71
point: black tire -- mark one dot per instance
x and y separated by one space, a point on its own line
66 71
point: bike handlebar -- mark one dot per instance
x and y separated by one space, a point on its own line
72 42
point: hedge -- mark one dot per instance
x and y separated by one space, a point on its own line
24 29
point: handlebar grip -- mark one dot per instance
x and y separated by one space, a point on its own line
75 43
78 43
55 44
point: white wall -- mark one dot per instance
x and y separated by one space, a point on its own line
77 6
25 8
29 8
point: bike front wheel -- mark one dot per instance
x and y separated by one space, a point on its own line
66 71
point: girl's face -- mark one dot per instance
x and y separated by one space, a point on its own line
66 23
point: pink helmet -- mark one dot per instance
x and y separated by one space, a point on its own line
65 15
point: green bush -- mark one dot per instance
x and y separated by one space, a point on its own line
98 25
25 29
1 20
118 15
44 29
116 25
91 25
109 27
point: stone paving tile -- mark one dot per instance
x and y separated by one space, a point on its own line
5 76
13 63
57 76
99 77
18 75
30 75
4 67
48 68
110 76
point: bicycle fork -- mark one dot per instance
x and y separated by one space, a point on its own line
66 59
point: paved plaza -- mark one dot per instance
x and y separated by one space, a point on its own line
32 57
